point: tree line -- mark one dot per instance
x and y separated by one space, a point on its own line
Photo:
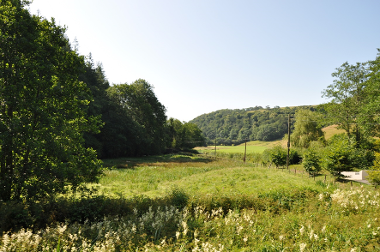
59 114
256 123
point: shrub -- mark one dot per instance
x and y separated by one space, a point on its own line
342 155
311 161
294 157
178 198
278 156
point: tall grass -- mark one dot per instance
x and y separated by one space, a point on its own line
198 204
293 220
216 176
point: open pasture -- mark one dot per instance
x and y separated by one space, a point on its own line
252 147
195 175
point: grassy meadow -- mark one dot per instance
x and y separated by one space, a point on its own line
195 175
251 147
188 202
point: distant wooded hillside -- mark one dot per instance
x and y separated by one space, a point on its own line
256 123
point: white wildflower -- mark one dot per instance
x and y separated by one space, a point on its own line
324 229
196 233
302 230
134 228
163 242
62 229
239 229
311 235
315 237
321 197
302 246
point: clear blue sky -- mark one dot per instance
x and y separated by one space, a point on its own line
206 55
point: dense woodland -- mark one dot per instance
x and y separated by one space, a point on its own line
133 121
59 114
257 123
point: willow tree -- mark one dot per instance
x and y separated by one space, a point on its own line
306 128
42 113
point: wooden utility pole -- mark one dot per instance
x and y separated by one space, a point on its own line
288 144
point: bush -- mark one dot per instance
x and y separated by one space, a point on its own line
294 157
311 161
341 154
178 198
278 156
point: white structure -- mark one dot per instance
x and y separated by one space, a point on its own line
361 175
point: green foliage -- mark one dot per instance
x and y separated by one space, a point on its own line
178 197
43 112
374 173
229 127
138 102
347 94
312 161
278 156
183 136
307 128
355 99
368 117
341 154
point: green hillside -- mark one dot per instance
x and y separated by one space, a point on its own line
229 127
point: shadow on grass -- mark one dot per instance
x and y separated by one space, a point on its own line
133 162
88 207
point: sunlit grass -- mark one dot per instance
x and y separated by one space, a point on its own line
200 176
331 130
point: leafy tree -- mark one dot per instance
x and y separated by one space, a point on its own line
184 136
140 103
43 108
311 161
368 116
347 94
306 128
294 157
96 81
341 154
278 156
